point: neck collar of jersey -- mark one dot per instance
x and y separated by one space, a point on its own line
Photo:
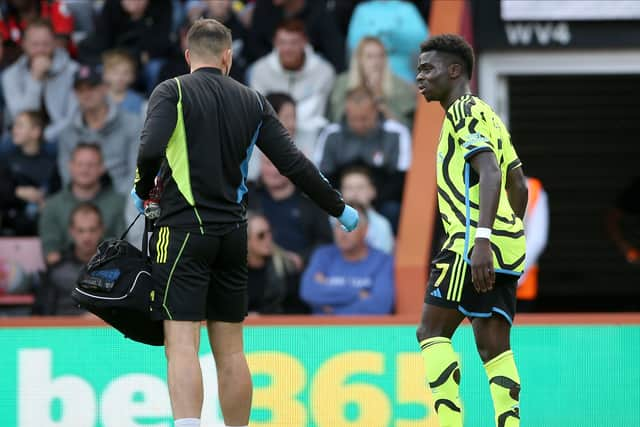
212 70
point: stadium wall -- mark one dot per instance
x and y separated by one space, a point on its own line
578 370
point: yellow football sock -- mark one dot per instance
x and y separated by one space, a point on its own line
504 384
443 375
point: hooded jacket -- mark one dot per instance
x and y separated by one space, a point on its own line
309 87
22 92
119 139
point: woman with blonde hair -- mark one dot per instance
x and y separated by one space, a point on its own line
370 67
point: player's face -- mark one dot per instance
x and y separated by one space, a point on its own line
433 76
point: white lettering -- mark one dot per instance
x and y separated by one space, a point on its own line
37 389
545 33
134 396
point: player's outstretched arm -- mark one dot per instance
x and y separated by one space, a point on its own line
482 270
517 191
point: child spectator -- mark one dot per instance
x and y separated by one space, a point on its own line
349 277
31 174
119 73
357 185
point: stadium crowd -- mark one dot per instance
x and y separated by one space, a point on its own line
75 77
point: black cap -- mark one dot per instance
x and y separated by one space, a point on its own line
87 74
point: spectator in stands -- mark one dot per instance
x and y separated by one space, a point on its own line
273 277
294 68
86 167
41 80
356 184
365 137
99 121
298 225
142 27
176 65
86 229
369 67
349 277
31 176
285 107
15 15
222 11
119 73
398 24
319 25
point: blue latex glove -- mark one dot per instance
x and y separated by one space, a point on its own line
137 200
349 218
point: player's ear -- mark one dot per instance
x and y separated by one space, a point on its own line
187 57
455 70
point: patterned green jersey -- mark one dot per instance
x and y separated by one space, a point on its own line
471 126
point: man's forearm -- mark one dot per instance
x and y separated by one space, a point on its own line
489 197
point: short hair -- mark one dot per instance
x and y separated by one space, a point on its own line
359 94
118 56
40 23
357 170
85 207
452 44
292 25
208 37
87 146
35 118
278 99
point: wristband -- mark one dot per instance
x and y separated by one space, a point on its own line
483 233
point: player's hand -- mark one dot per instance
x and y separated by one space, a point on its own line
483 274
349 218
137 200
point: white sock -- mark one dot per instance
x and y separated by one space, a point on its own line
187 422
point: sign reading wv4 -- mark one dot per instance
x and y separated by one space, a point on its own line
541 33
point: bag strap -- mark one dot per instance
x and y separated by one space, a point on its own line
148 226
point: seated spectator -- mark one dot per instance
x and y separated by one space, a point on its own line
119 73
349 277
400 27
369 67
176 65
364 137
319 24
294 68
285 108
356 184
86 230
86 167
100 121
16 14
41 80
222 11
273 277
298 225
32 174
142 27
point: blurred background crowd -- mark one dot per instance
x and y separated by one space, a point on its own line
76 75
75 79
